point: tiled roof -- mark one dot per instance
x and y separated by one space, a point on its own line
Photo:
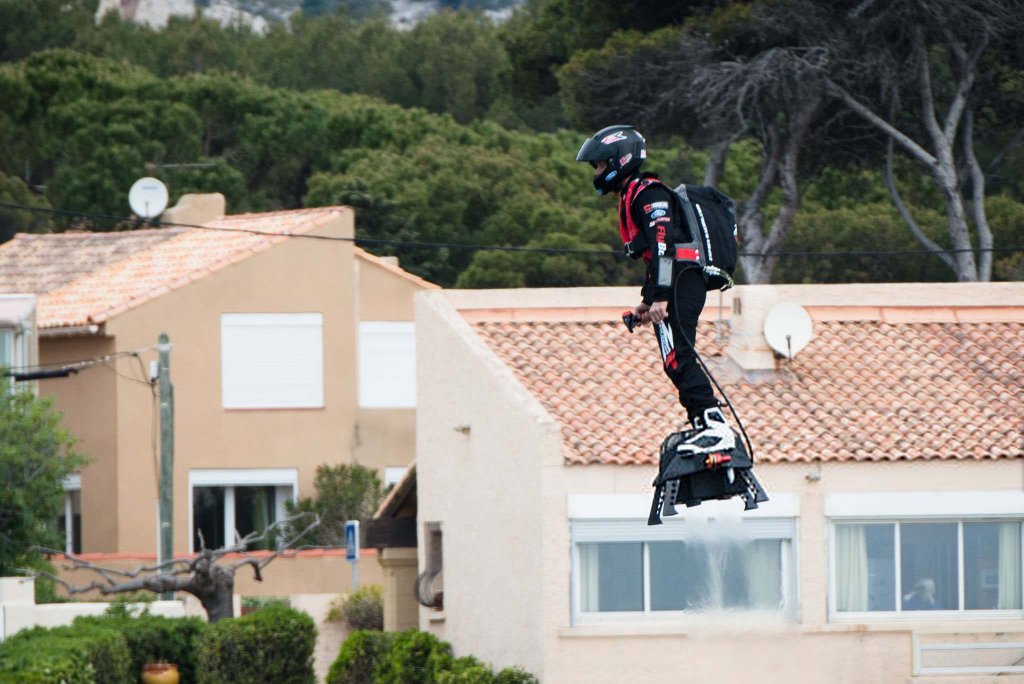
86 278
860 391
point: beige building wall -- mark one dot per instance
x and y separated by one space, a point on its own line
485 449
490 470
385 437
115 413
87 401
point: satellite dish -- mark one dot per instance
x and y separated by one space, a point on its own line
148 197
787 328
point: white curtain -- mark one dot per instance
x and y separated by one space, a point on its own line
589 578
764 573
851 568
1009 566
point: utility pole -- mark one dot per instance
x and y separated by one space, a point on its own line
166 389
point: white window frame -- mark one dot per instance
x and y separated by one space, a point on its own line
72 483
302 375
603 518
285 479
397 388
920 507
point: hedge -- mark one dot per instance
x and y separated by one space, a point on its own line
273 644
413 657
154 638
359 657
80 654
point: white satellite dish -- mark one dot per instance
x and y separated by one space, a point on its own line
148 197
787 328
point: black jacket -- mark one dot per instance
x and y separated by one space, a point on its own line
656 212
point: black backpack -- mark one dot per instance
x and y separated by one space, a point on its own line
711 217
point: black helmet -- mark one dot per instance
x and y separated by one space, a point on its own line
622 147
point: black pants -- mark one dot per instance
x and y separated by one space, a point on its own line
689 293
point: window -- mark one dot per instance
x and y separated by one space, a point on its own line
626 569
393 475
387 364
272 360
927 565
69 525
17 337
227 505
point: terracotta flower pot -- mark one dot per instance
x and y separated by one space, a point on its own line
160 673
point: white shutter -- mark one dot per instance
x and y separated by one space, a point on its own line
387 364
272 360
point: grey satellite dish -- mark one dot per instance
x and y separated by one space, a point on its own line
148 197
787 328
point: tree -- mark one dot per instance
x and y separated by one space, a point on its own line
12 221
201 575
921 61
26 27
36 456
343 492
742 73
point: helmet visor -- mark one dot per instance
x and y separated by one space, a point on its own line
595 151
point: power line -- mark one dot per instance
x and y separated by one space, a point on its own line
480 247
63 369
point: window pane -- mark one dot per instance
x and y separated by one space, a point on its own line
865 568
696 576
254 512
611 577
208 517
680 578
929 573
762 566
992 578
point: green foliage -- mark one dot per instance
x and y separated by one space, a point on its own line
36 455
26 27
466 670
359 657
363 609
274 644
257 602
343 492
14 191
414 658
83 653
515 675
152 638
369 657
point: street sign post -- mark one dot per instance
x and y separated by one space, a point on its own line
352 549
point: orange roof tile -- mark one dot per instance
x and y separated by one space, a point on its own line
860 391
86 278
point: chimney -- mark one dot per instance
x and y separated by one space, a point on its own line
195 209
747 344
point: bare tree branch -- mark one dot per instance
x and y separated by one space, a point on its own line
200 575
908 218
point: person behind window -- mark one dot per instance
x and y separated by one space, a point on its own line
922 597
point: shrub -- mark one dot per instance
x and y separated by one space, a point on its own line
274 644
371 657
515 675
359 658
362 609
415 658
154 638
466 670
69 655
253 603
